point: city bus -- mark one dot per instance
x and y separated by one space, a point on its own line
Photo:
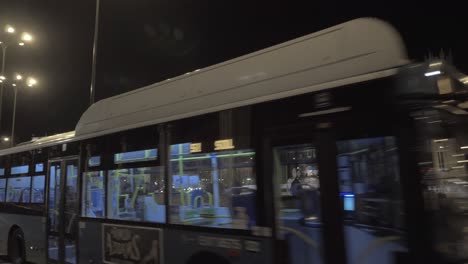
334 147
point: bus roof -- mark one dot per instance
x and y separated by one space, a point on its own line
355 51
350 49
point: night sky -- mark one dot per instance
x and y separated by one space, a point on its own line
143 41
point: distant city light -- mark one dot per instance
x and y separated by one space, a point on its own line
21 43
6 139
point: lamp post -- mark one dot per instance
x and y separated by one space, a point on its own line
7 39
19 80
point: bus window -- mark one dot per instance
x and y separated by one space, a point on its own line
19 189
213 189
2 189
94 161
94 193
370 191
38 185
20 169
137 194
136 156
39 167
297 171
2 171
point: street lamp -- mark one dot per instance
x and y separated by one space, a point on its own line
8 37
19 81
9 29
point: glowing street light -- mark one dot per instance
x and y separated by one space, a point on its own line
10 29
6 139
11 39
26 37
31 82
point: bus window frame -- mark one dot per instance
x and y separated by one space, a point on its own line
15 160
106 148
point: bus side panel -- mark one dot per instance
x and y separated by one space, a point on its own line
4 226
180 246
90 243
34 233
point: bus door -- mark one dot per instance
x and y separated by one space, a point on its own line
62 209
306 204
337 201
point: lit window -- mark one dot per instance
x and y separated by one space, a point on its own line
18 190
137 194
213 189
20 169
2 189
38 185
93 194
135 156
39 167
94 161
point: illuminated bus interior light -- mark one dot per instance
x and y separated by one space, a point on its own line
432 73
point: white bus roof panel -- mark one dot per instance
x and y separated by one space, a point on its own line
350 49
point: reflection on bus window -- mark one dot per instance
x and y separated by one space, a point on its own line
38 185
93 194
137 194
370 191
135 156
20 169
369 179
296 171
296 175
94 161
2 171
18 189
213 189
2 189
39 167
